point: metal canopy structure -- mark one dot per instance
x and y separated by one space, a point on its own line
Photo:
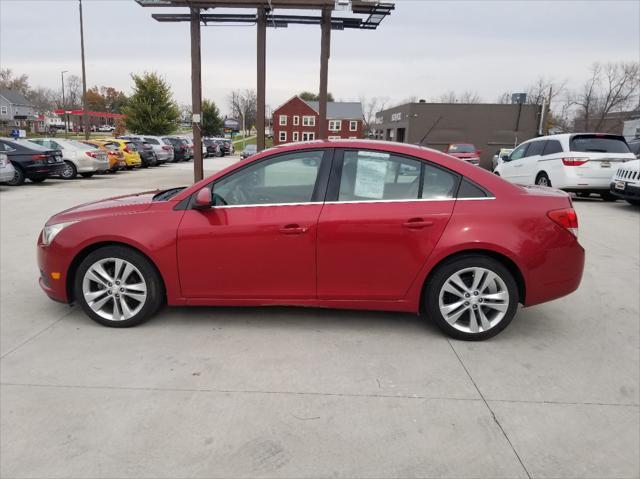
372 11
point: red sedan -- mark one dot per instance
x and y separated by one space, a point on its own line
340 224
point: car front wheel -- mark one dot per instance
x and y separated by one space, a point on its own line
471 297
118 287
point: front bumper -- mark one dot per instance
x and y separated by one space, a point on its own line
49 263
630 192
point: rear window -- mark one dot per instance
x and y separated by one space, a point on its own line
152 141
132 146
598 144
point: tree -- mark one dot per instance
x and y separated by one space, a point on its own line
73 92
151 109
43 99
244 106
14 83
212 123
114 100
120 128
308 96
370 108
95 100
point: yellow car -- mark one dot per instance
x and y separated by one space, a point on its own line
131 156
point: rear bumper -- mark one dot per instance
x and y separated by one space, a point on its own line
93 166
42 170
630 191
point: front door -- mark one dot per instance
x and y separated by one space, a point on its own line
259 238
513 170
389 213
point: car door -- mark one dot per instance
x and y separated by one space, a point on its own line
530 163
258 240
383 216
512 169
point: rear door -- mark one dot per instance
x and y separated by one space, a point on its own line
530 163
383 216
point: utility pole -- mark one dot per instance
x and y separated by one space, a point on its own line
196 95
325 48
85 117
64 108
261 80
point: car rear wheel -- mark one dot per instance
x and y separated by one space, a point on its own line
471 297
118 287
18 177
543 180
68 171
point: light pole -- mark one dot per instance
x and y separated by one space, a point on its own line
65 116
85 118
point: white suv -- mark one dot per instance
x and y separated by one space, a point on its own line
625 183
578 162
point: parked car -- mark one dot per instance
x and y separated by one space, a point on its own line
248 151
115 156
500 156
464 151
576 162
164 153
79 158
213 148
145 150
226 146
131 156
31 161
105 128
7 171
181 151
452 240
625 183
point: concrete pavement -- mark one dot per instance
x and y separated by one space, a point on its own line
296 393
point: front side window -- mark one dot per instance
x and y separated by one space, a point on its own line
335 125
288 178
353 125
373 175
519 152
283 120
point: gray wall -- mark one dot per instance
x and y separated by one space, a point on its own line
488 126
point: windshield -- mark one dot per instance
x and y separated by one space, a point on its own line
599 144
462 148
168 194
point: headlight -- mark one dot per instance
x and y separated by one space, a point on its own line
50 231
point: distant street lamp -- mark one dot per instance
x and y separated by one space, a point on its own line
64 116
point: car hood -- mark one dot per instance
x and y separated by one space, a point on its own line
118 205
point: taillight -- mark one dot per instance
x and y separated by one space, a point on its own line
574 161
166 148
38 157
90 154
126 149
567 218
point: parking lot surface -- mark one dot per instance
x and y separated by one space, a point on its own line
296 393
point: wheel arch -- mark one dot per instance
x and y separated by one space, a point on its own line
87 250
501 258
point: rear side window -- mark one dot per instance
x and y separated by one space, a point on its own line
635 148
438 183
598 144
552 147
535 148
470 190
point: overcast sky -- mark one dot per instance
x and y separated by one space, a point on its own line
424 49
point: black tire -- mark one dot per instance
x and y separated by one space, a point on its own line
543 179
440 276
86 175
634 202
69 172
38 179
18 177
608 197
496 173
155 289
583 194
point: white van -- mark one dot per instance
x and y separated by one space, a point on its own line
582 163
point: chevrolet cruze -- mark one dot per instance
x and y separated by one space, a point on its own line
339 224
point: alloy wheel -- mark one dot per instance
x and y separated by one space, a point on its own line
67 171
543 181
474 300
114 289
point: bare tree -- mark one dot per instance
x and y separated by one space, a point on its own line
451 96
8 81
370 108
244 107
73 92
44 99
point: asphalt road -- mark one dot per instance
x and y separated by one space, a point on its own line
296 393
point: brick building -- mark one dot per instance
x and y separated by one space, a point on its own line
298 120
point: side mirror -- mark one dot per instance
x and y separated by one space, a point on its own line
505 158
203 199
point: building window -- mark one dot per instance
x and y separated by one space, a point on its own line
283 136
283 120
353 137
296 135
334 137
353 125
308 121
335 125
296 120
308 136
3 110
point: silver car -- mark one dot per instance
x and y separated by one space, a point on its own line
164 153
79 158
7 171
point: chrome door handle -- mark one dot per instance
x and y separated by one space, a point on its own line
293 229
